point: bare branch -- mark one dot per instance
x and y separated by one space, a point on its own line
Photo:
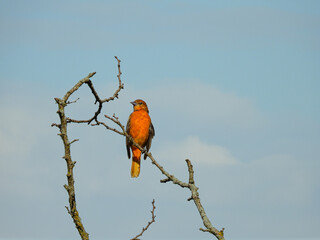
195 197
203 230
165 180
116 93
149 223
220 233
75 140
69 102
64 120
69 120
191 172
55 125
171 178
107 127
62 103
98 100
76 87
95 94
115 119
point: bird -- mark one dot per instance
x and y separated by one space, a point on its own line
140 128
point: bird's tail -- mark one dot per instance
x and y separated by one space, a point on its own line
135 167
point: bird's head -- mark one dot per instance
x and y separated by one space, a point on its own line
139 105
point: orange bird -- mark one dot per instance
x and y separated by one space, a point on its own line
140 128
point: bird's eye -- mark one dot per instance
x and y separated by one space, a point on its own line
140 103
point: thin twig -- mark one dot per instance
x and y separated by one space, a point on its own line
107 127
121 85
75 140
69 102
55 125
149 223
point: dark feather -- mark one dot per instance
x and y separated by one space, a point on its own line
151 135
127 140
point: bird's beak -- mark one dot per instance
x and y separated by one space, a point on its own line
133 103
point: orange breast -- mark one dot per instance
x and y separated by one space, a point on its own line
139 126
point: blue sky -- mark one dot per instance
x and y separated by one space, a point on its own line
234 86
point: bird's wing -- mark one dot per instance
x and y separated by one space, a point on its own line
127 139
151 135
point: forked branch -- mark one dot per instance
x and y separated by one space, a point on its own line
62 126
72 209
97 97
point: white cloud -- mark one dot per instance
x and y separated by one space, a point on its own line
197 151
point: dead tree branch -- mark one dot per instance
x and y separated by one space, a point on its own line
72 210
97 98
149 223
62 126
171 178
